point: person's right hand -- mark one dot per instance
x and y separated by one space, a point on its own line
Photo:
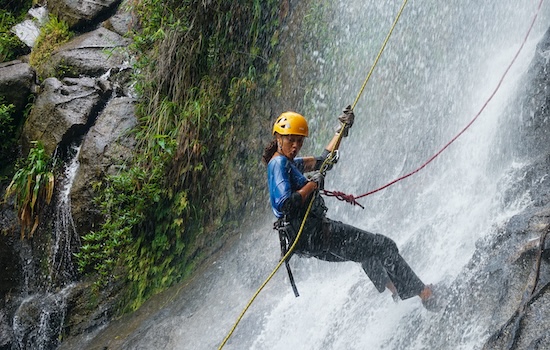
319 179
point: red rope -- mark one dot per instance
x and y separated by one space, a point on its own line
343 197
353 199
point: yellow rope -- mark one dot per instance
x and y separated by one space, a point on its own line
323 167
270 276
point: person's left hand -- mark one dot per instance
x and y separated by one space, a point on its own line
347 118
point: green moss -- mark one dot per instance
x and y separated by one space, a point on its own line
52 35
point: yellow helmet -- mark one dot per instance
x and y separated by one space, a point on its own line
291 123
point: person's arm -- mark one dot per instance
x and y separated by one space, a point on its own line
307 190
297 199
334 144
314 163
346 121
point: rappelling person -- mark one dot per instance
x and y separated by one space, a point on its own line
290 194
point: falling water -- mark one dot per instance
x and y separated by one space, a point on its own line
441 64
66 240
39 319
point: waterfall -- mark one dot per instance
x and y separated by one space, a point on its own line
441 64
66 240
39 319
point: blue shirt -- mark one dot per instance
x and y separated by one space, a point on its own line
283 178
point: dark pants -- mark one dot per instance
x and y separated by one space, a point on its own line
331 240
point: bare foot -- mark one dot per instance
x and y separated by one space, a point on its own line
393 291
429 300
426 293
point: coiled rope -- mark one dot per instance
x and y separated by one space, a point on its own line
353 199
323 169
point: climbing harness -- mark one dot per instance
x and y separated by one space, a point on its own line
323 169
286 239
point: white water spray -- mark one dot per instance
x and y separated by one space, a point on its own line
440 66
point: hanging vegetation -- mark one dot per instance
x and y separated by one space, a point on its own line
32 186
200 68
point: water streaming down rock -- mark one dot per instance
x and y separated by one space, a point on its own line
35 303
66 240
39 319
442 63
38 322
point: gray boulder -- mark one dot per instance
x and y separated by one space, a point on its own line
90 54
121 23
82 13
105 147
16 83
61 111
29 30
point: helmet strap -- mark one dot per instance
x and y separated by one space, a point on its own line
279 144
280 148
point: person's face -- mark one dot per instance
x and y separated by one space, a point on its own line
290 145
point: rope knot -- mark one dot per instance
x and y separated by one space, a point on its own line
343 197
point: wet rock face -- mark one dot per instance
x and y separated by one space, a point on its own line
82 13
84 97
535 111
106 146
518 259
10 267
10 270
6 334
48 311
61 111
519 283
16 83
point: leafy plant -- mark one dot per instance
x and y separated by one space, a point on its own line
7 132
10 45
32 186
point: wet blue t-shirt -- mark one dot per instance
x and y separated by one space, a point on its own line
283 178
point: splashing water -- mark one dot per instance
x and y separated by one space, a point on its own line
441 64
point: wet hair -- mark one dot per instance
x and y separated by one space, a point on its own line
269 151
